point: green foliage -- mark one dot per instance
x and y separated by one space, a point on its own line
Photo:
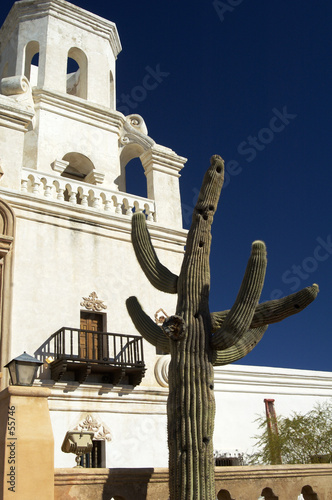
302 438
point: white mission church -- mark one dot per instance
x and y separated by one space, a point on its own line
67 263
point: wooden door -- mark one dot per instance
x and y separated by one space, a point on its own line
89 344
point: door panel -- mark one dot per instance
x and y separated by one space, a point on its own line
89 342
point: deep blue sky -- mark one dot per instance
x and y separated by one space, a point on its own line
229 70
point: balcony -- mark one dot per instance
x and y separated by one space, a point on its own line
110 358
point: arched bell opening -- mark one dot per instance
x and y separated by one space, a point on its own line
77 69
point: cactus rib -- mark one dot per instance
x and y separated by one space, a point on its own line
158 275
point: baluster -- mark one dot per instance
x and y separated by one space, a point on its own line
72 198
108 205
60 195
96 202
63 341
84 201
129 211
35 186
24 185
118 209
48 191
150 216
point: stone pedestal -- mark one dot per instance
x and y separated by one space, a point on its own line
26 444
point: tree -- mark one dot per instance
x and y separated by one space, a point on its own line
302 438
198 339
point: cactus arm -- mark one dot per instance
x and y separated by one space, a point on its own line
217 319
273 311
241 348
277 310
146 326
158 275
239 318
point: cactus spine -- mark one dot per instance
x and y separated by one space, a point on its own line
197 339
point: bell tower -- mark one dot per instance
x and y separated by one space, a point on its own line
58 62
59 32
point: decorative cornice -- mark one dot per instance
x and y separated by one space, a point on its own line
26 10
269 380
81 109
163 160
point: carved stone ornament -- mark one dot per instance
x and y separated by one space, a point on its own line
160 316
92 424
161 370
92 303
135 131
18 88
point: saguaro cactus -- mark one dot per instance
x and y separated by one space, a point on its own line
198 339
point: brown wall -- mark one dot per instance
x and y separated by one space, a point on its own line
239 483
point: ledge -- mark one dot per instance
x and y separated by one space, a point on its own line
34 392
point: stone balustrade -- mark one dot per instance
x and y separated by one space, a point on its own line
63 189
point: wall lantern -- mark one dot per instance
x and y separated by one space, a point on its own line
78 442
23 369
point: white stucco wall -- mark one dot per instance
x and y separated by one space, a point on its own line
136 419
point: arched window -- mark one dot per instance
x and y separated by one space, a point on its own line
32 62
133 179
79 167
224 495
77 68
308 493
268 494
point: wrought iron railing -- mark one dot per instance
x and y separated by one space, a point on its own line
96 347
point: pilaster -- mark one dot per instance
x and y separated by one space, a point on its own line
26 443
162 168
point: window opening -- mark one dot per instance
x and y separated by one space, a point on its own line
32 62
94 459
77 73
135 178
79 166
308 493
224 495
268 494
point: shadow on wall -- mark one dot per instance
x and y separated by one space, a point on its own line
117 486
